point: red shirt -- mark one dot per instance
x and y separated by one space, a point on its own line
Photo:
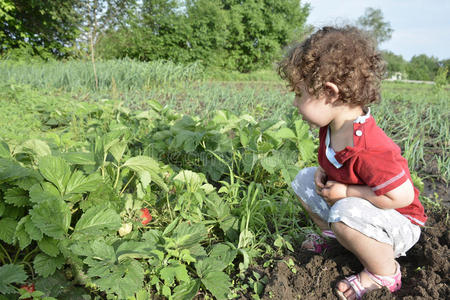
374 160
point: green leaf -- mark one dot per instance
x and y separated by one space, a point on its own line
27 182
4 150
190 178
142 163
243 136
304 143
285 133
218 283
38 147
169 228
10 274
10 170
155 105
145 178
54 285
172 271
49 246
21 235
124 279
186 140
96 219
17 197
7 230
103 252
52 217
78 183
224 254
46 265
104 196
197 251
271 163
209 264
56 170
34 232
118 149
142 294
187 290
186 235
79 158
135 249
208 188
158 180
249 160
43 192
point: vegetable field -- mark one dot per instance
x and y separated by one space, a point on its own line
164 183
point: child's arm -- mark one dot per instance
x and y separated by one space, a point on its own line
401 196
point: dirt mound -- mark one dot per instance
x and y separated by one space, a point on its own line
425 269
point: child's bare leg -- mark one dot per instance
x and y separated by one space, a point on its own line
315 217
376 257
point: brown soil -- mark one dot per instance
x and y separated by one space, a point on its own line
425 269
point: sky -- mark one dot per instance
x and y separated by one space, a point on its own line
420 27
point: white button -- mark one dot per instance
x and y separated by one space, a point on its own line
358 132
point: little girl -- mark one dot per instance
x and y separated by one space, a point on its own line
361 193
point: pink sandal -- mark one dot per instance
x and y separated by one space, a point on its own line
317 243
393 283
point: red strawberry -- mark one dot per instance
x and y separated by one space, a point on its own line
28 287
145 216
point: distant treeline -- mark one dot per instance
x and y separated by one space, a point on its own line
242 35
420 67
238 35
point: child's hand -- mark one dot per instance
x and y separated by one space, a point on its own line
320 178
333 191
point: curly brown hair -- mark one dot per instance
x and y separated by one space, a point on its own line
347 57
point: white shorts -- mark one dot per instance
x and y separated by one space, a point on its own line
384 225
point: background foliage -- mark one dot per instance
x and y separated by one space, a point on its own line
231 35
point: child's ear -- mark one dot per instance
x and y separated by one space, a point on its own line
332 91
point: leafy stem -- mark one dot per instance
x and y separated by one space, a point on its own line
126 185
168 205
6 253
29 266
25 259
117 177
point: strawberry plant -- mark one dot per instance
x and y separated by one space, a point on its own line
143 202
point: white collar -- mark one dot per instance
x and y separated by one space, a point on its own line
362 119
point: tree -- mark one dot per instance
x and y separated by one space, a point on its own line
446 64
395 63
373 22
422 67
51 25
99 16
158 29
208 23
260 29
239 35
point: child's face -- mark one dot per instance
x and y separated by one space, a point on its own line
317 111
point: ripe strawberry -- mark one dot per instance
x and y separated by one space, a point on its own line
28 287
146 217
